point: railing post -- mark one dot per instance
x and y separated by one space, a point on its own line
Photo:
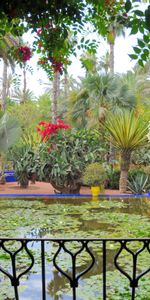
43 270
104 269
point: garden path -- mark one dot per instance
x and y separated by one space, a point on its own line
39 188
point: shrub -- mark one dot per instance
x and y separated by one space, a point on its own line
94 174
66 155
113 178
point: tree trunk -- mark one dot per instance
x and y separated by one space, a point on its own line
112 56
4 88
125 164
72 188
65 85
24 84
56 92
112 71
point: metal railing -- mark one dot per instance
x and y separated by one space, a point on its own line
73 276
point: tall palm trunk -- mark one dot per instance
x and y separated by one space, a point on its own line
112 71
65 85
112 58
4 85
125 164
24 84
56 93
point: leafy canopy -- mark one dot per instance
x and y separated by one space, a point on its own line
71 16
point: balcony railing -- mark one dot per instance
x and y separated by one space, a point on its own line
73 276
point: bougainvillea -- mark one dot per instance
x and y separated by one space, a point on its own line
55 58
23 53
46 129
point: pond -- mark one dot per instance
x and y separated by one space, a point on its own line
75 218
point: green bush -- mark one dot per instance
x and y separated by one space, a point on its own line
94 175
65 157
113 178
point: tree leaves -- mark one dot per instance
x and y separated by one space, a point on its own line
128 5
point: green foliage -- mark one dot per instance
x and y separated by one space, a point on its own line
141 156
19 16
9 132
113 178
94 174
133 172
24 163
128 132
31 110
139 184
65 157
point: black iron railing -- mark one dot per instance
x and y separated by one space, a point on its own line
73 276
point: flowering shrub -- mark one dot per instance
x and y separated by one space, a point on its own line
46 129
23 53
55 58
62 162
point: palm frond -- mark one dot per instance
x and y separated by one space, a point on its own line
126 130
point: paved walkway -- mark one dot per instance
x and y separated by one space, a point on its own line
40 188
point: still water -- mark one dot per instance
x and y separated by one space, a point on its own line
72 218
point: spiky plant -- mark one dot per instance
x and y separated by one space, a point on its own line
127 133
139 184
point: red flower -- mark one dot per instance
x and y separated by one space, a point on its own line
23 53
40 45
50 128
39 31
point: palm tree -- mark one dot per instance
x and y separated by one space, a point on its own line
89 62
128 132
104 63
23 96
116 28
98 95
139 83
6 43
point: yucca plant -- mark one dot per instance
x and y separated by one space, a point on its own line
139 184
127 133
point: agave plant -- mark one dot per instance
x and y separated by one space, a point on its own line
127 133
139 184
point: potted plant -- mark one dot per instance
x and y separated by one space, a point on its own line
95 176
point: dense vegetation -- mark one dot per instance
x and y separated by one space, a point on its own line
59 29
